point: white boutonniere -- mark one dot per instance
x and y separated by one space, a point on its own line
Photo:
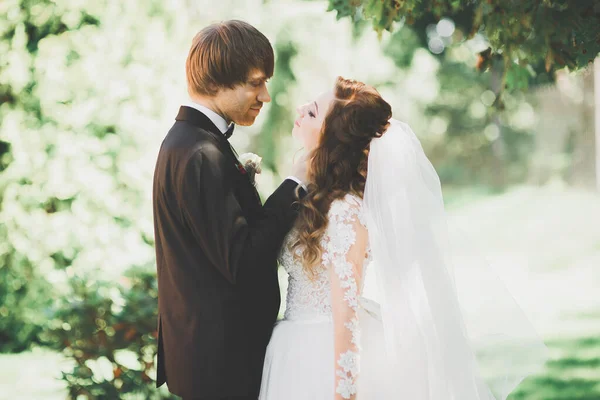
251 163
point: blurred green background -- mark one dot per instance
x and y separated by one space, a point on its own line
89 89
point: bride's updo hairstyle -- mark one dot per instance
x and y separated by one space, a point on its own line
338 164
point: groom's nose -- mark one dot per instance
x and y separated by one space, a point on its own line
263 95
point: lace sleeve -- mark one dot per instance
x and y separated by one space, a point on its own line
346 253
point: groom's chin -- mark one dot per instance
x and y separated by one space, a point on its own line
246 121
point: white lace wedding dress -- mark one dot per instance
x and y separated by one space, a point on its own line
439 342
314 351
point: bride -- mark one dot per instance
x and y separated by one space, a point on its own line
374 210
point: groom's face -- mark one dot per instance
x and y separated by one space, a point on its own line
243 103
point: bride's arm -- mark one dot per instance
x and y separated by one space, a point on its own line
346 274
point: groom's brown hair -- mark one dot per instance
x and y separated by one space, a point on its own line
223 54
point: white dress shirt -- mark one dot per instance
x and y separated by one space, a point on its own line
222 125
213 116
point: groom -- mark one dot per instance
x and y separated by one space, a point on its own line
216 244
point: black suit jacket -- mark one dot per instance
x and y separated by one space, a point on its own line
216 252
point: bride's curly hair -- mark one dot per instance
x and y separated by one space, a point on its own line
338 165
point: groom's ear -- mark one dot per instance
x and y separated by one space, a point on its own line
213 88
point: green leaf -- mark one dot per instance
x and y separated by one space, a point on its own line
517 77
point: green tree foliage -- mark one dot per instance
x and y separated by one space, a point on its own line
74 183
532 38
468 138
109 330
24 297
478 145
278 118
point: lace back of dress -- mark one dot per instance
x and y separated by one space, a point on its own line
333 294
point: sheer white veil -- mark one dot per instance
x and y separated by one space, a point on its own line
438 350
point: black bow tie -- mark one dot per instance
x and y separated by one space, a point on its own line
229 131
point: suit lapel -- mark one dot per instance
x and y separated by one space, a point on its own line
200 120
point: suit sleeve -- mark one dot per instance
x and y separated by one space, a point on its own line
217 223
